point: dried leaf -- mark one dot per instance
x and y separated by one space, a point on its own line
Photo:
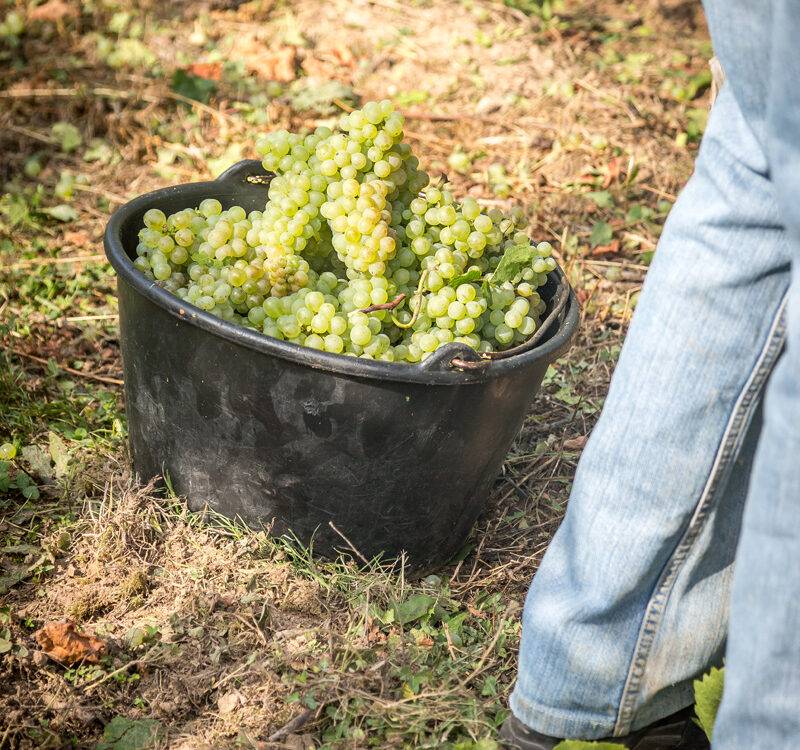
77 238
211 71
613 170
277 64
53 10
228 702
64 643
610 249
326 61
576 443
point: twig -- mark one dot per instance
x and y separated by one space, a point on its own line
252 626
108 93
79 318
70 370
422 279
105 193
56 261
29 133
385 305
661 193
352 547
291 726
105 678
488 650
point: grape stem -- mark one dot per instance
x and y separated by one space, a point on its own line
423 277
386 305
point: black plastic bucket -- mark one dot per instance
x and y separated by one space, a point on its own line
391 456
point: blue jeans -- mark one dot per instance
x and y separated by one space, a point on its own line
690 468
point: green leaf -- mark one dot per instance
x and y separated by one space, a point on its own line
62 212
601 198
127 734
59 453
601 234
5 641
404 98
16 576
312 94
30 492
707 696
413 608
99 150
583 745
38 459
67 135
466 278
192 86
514 260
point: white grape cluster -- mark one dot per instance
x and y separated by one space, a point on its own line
354 253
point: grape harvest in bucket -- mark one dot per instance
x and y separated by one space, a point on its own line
355 252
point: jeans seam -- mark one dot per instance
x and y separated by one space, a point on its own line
734 430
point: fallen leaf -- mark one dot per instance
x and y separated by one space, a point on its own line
53 10
277 64
64 643
192 86
576 443
211 71
613 170
475 612
325 59
77 238
122 733
62 212
39 461
609 249
228 702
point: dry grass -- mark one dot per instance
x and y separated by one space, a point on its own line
225 636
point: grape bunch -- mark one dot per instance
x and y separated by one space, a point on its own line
355 252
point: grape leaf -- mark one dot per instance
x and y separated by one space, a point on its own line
465 278
67 135
601 234
601 198
192 86
513 261
413 608
59 453
62 212
130 734
707 696
583 745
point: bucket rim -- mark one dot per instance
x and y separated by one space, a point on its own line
433 371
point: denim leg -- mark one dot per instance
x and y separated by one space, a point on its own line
630 602
761 704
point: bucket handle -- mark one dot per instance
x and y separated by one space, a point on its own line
247 171
559 302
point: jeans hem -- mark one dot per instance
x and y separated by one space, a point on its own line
560 724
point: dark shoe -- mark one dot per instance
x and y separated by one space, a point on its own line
676 732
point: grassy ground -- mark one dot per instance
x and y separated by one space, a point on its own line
588 114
